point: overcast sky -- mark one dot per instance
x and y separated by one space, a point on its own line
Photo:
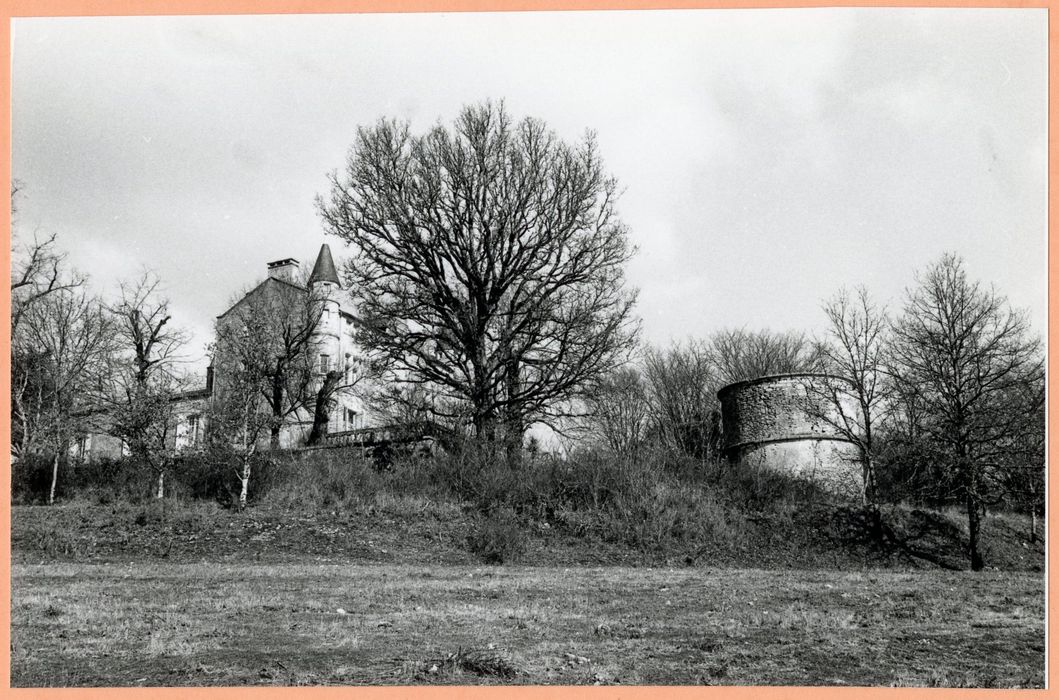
768 157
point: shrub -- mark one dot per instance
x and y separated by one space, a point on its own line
498 538
104 480
111 479
31 479
319 480
208 475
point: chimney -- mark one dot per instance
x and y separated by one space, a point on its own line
283 269
209 379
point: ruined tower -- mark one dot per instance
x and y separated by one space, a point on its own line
789 423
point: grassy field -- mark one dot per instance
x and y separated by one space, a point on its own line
208 623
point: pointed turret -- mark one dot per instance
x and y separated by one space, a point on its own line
324 269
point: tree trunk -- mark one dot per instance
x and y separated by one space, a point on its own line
513 433
54 479
160 493
322 412
276 404
484 422
244 481
878 534
869 494
973 525
513 428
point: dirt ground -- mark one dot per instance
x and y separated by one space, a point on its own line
209 623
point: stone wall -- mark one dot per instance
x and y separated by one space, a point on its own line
787 423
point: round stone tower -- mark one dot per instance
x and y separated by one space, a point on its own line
788 423
327 336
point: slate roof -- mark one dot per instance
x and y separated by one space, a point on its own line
324 269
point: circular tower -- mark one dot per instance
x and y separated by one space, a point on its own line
327 336
794 424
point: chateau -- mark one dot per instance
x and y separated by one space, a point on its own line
330 346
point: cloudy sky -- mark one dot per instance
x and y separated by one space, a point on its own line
768 157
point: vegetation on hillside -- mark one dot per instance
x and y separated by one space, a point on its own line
658 509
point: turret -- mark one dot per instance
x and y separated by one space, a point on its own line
325 286
324 269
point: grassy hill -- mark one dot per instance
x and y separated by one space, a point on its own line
416 530
611 573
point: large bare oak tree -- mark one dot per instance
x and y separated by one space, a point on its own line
488 263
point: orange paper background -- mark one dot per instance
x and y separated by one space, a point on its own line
10 9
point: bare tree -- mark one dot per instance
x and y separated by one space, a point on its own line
38 269
739 354
857 393
406 404
966 354
682 385
143 381
59 351
1022 470
618 411
241 413
31 392
488 263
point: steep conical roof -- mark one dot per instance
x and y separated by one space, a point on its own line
324 269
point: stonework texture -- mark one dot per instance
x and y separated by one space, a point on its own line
786 423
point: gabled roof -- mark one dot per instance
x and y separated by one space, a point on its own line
269 285
324 269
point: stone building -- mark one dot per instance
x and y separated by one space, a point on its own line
331 345
790 424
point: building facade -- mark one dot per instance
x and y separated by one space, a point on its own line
331 347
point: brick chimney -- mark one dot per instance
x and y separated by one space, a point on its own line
283 269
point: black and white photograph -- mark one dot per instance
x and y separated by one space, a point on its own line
557 348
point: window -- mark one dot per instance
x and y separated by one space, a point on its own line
352 419
194 429
325 363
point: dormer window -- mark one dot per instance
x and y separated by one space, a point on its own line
325 364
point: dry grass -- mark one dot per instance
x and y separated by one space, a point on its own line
410 529
235 624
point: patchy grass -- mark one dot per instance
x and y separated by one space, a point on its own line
225 623
385 528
